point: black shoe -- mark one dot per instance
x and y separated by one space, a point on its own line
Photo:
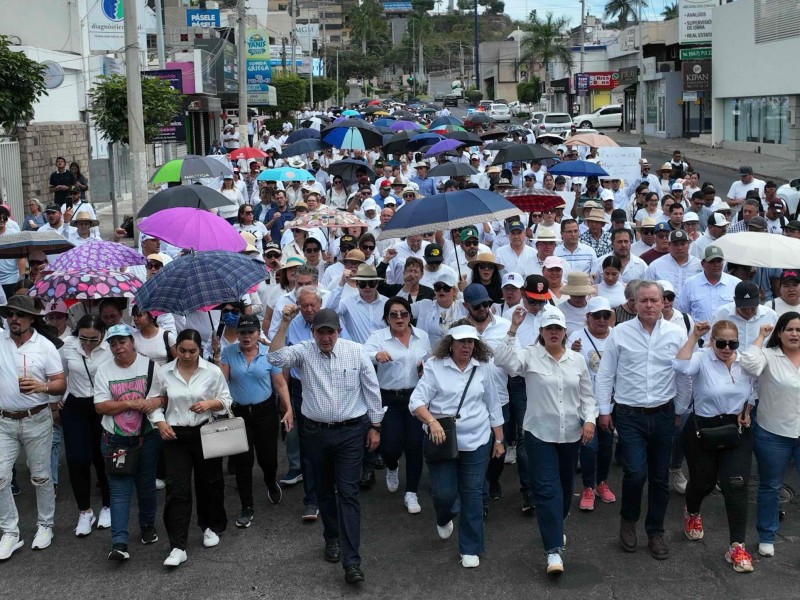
310 513
149 535
367 479
379 463
245 518
119 552
485 511
274 493
15 491
55 490
332 552
495 491
353 574
527 506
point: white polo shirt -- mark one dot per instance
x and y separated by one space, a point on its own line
38 358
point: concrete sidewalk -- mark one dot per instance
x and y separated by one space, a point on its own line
764 166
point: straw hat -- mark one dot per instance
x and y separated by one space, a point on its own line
597 214
578 284
366 273
647 223
485 257
291 260
85 215
356 256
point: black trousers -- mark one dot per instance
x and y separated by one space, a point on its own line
731 468
262 422
82 433
184 456
310 492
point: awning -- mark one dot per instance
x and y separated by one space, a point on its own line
621 88
266 96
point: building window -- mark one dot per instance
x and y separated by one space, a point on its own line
762 120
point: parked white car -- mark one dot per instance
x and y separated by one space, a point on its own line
790 192
499 112
517 107
607 116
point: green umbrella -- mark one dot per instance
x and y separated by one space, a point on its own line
190 166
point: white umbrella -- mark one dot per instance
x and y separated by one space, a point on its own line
758 249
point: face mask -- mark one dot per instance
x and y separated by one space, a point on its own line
230 319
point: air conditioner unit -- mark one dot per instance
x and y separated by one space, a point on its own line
665 67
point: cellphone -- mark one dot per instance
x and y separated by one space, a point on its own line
69 204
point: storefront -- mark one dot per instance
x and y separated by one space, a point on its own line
560 97
627 85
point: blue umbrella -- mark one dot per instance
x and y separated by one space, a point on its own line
446 120
401 125
447 211
384 122
353 138
443 146
285 174
302 134
423 139
213 278
304 147
578 168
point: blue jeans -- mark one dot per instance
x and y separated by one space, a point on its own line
55 450
553 472
596 458
460 482
144 481
335 457
518 403
773 453
676 461
402 434
646 444
496 465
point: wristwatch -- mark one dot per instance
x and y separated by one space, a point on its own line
375 427
498 441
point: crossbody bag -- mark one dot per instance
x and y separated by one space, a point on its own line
120 459
448 449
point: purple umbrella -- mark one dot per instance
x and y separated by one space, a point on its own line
97 255
192 228
443 146
402 125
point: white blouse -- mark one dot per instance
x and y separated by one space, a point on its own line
778 389
81 368
206 383
400 373
717 390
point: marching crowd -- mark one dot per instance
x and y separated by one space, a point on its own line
536 341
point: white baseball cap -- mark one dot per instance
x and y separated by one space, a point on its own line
606 195
552 316
597 304
691 217
464 332
666 285
447 277
514 279
369 204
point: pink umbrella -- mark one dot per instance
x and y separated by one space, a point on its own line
192 228
73 285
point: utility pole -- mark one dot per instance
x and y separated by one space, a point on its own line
241 43
311 65
136 147
640 103
292 37
583 50
337 77
477 67
162 60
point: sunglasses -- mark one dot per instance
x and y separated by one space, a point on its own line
275 255
3 218
722 344
228 311
648 231
367 284
485 266
442 287
470 243
485 304
18 314
154 265
312 250
549 211
368 248
403 314
602 314
85 340
536 215
248 212
669 297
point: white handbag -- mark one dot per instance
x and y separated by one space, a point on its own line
224 437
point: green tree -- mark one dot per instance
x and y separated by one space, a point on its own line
493 7
670 11
354 65
368 26
529 92
291 92
625 11
547 41
21 86
109 100
324 88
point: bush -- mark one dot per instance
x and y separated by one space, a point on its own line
273 125
474 96
523 115
529 92
291 92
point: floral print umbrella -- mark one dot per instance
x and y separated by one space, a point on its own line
97 255
326 218
73 285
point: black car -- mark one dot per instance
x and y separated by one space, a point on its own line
438 97
450 100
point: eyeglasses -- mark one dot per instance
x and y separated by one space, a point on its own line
85 340
484 304
367 284
536 215
232 311
669 297
470 242
154 265
312 250
403 314
368 248
442 287
601 314
275 255
722 344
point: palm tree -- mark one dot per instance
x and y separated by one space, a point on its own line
624 11
670 11
547 41
367 24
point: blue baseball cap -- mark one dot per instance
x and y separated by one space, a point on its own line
121 330
475 293
661 227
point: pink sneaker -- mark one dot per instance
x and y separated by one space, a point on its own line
604 493
587 500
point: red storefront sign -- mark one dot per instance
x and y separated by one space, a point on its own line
603 80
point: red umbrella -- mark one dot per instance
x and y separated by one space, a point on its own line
533 199
247 153
373 102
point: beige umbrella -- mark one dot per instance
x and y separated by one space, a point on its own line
594 140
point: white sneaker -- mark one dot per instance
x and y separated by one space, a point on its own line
210 539
104 520
470 561
446 531
511 455
678 480
9 544
175 558
44 537
766 549
412 503
85 521
160 484
555 566
392 479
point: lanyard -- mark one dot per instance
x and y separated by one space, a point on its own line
589 336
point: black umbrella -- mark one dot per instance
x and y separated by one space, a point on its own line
452 169
304 147
495 133
302 134
463 136
478 118
347 167
404 114
192 196
526 152
498 145
397 143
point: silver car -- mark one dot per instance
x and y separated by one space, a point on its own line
499 112
553 122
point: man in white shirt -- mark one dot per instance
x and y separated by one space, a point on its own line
517 256
739 189
746 313
636 368
677 266
717 225
511 286
467 250
578 289
703 293
434 266
647 231
413 245
633 267
361 313
580 256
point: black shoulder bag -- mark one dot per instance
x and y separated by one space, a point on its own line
722 437
448 449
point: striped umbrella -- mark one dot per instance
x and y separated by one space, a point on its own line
353 138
